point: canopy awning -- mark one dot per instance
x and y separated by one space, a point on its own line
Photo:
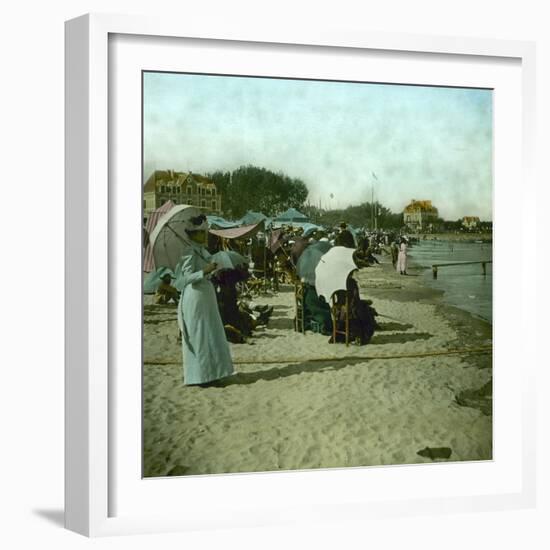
237 232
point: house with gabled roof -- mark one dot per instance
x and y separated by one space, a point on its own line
470 222
181 188
420 215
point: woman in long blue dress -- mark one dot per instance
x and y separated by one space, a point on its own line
206 354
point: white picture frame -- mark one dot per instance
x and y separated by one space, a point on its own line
90 395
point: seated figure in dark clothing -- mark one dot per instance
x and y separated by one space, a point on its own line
344 237
226 292
237 317
316 311
362 316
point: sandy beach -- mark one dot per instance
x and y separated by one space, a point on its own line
298 402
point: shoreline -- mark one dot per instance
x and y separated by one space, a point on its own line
299 403
471 329
455 237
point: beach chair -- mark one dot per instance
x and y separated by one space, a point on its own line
340 311
254 286
299 322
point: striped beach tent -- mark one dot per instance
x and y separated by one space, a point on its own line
148 260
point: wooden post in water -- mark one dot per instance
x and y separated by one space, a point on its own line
434 271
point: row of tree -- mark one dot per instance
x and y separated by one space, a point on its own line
366 214
258 189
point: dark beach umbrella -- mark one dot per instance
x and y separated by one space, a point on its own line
308 260
277 239
298 247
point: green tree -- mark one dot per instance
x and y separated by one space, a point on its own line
253 188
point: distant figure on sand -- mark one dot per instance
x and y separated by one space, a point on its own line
401 266
394 253
206 355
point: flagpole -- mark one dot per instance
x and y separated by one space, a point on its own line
372 206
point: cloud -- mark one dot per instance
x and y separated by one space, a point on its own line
422 142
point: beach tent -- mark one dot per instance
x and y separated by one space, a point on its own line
217 222
292 215
252 217
148 260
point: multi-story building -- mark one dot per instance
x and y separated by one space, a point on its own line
181 188
470 222
420 215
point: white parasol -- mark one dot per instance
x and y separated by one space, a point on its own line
169 239
332 271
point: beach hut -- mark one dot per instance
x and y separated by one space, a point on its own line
148 260
291 215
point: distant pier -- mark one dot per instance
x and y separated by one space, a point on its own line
483 263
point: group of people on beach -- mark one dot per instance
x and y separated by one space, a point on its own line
210 312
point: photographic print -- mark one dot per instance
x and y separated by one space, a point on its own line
317 274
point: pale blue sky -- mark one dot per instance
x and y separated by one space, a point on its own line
421 142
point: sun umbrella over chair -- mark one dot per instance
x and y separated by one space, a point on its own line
308 260
167 239
332 271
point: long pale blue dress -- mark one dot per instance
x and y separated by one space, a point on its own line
206 354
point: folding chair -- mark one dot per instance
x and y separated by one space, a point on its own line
337 309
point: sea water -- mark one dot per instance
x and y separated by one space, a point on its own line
464 286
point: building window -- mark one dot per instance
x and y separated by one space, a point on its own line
208 191
203 204
189 190
213 191
213 205
163 189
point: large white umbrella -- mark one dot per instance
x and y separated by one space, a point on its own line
168 239
332 271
